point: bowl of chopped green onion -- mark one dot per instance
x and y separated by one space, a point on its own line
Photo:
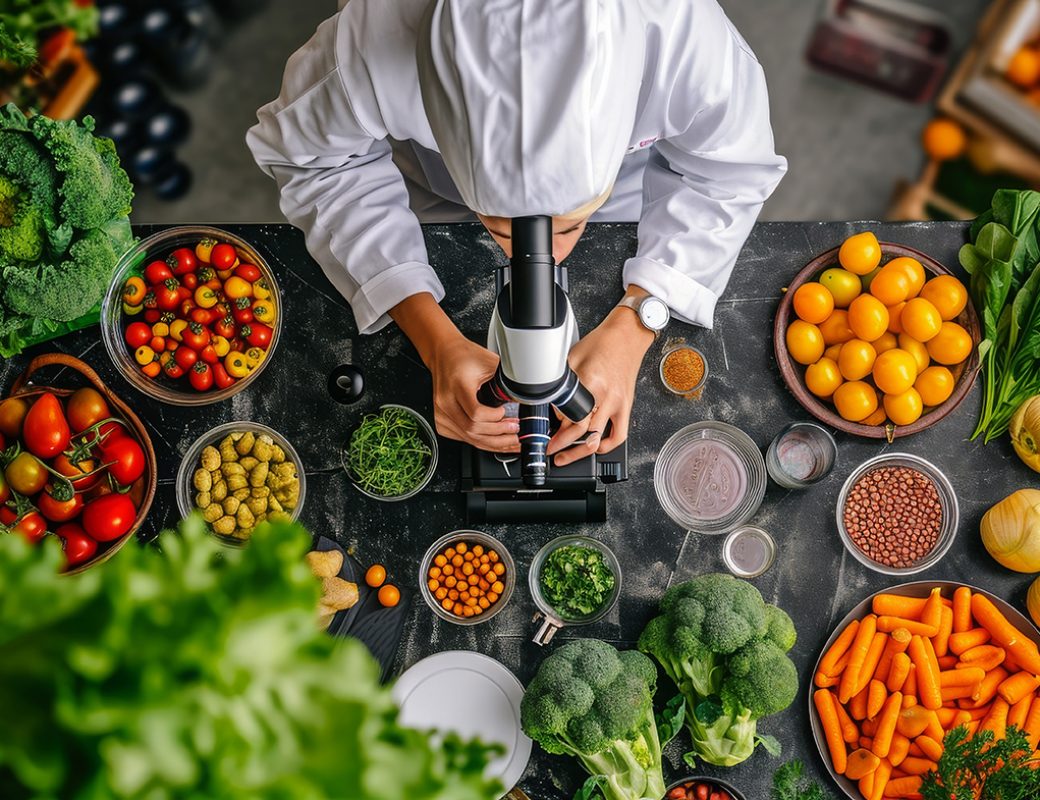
392 454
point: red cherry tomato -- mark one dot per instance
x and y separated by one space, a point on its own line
182 260
190 280
173 369
59 510
223 257
225 326
242 311
77 545
221 377
157 272
185 357
257 334
201 377
77 472
201 316
209 354
183 293
152 315
186 307
86 407
46 431
248 272
196 336
109 517
124 458
158 344
137 334
32 526
166 295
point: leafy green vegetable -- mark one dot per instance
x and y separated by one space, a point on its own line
64 202
594 703
199 672
978 768
576 581
790 784
387 454
27 19
14 50
726 650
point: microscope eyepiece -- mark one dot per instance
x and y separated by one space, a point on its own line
532 238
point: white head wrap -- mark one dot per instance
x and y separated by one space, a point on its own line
531 102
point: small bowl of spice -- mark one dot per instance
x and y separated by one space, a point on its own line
467 577
897 514
391 455
683 369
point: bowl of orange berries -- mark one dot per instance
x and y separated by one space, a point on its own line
467 577
877 339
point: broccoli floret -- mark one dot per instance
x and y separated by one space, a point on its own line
725 648
22 233
596 704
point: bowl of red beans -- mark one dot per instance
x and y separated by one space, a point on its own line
192 316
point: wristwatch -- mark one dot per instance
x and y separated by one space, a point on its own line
652 311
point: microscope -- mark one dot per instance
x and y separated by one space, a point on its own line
532 331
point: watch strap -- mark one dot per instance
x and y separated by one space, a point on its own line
634 303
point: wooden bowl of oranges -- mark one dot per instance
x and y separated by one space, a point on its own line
877 339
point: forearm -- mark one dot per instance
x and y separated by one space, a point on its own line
425 324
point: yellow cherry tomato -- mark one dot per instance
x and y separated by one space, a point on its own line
868 317
220 345
877 418
887 341
861 253
895 318
920 319
823 377
947 294
264 311
935 385
134 291
203 249
895 371
261 291
375 576
132 311
254 355
236 287
835 328
868 279
917 350
160 329
812 303
804 342
205 297
914 272
855 400
856 359
904 408
177 328
236 364
843 285
832 352
951 345
144 355
891 285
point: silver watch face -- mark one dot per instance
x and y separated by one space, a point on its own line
653 311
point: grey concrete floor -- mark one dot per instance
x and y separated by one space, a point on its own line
847 145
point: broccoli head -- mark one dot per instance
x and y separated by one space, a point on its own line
594 703
725 648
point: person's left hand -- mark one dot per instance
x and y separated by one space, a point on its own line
607 361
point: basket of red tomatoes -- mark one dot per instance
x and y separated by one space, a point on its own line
192 316
75 463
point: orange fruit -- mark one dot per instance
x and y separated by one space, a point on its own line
944 139
891 285
859 254
951 345
376 575
895 318
389 595
813 303
887 341
904 408
916 349
804 342
832 351
855 400
856 359
835 328
823 377
895 371
947 294
914 270
843 285
868 317
877 418
1024 68
935 385
920 319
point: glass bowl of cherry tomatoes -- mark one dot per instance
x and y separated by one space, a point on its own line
192 316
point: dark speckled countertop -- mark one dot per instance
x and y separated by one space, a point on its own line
813 578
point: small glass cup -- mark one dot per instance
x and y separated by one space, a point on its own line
664 381
748 552
800 455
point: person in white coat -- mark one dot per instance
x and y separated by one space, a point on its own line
401 111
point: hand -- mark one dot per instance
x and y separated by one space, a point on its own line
607 362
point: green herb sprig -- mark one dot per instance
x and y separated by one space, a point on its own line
387 454
576 580
978 768
789 783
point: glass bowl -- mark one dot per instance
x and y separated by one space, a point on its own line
114 321
718 783
426 431
710 477
947 500
470 538
660 369
186 491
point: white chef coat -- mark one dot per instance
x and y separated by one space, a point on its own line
699 164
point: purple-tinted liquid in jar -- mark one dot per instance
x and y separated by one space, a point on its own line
709 480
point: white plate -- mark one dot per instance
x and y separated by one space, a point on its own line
477 696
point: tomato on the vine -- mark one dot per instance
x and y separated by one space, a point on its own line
31 525
157 272
77 545
59 510
25 474
46 431
78 472
124 458
12 415
109 517
182 260
201 377
223 256
86 407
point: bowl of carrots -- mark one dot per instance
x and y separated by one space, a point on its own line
908 665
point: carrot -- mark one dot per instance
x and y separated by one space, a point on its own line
887 725
913 721
927 671
889 624
909 701
1017 686
861 763
909 786
947 661
849 730
965 692
840 647
1005 634
917 766
895 605
915 750
988 687
985 656
971 727
934 729
965 640
825 702
941 643
897 642
858 706
910 687
869 727
824 681
1032 725
897 673
876 697
996 719
866 784
838 668
970 676
946 716
870 662
931 749
857 654
961 609
975 714
931 614
899 749
865 742
1019 711
962 717
881 776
